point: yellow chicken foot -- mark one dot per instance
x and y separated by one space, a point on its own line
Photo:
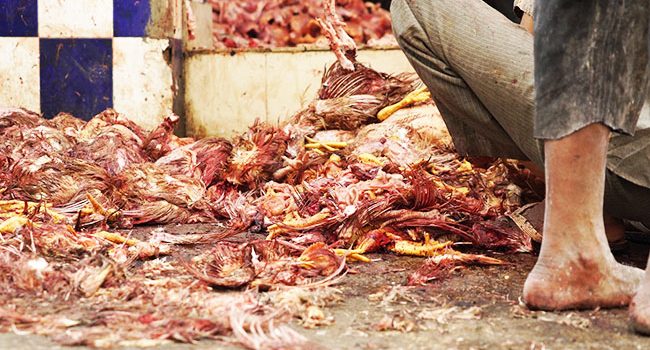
419 95
426 248
352 255
12 224
370 159
335 158
96 205
116 238
331 146
9 208
18 206
297 223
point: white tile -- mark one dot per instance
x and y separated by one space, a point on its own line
142 80
224 94
75 18
19 73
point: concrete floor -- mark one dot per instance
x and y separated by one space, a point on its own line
477 308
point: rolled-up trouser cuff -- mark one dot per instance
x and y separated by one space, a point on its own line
591 65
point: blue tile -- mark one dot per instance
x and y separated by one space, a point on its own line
130 17
18 18
76 76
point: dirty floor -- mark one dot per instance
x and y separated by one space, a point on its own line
476 308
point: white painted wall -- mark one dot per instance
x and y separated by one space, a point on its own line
225 93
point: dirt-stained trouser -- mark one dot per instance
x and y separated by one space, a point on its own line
479 67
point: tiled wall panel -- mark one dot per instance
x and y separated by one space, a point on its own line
83 56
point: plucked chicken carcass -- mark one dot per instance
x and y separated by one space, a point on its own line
110 167
256 155
213 157
55 179
146 193
114 147
351 94
264 264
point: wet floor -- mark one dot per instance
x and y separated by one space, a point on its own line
476 308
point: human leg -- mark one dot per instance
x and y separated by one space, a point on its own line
581 95
575 268
479 69
452 60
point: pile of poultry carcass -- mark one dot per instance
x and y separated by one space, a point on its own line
328 186
281 23
67 272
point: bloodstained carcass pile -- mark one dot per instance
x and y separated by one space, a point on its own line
281 23
326 187
67 272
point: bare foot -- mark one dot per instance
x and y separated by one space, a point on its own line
575 268
640 307
580 282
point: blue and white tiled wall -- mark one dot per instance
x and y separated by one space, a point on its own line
83 56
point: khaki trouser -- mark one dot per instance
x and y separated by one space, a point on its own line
479 68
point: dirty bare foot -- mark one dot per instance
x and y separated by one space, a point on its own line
580 280
575 268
